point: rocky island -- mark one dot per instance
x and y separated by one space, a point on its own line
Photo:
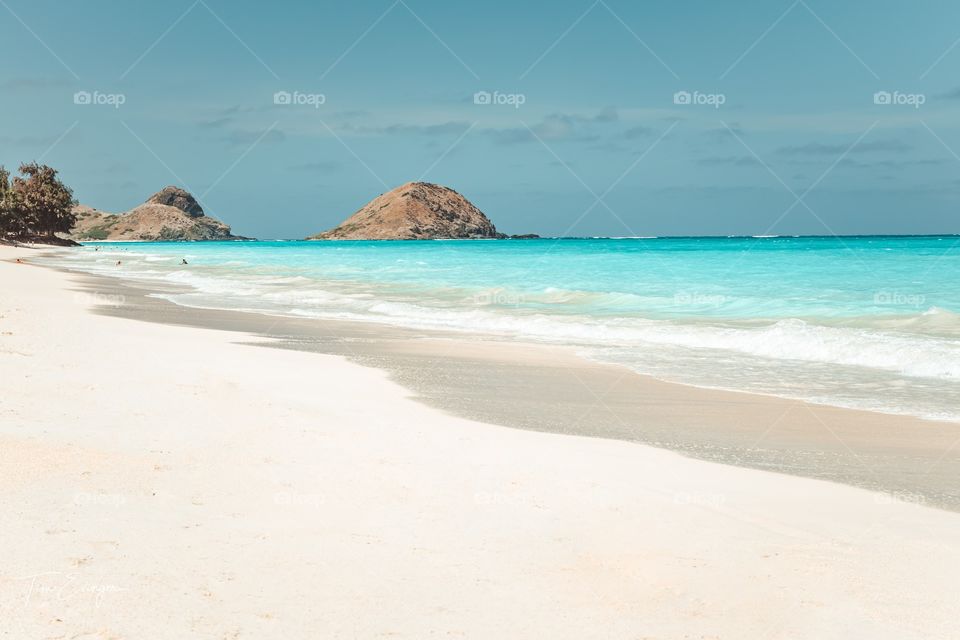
170 214
415 211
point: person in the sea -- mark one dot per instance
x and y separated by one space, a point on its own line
184 261
118 263
19 261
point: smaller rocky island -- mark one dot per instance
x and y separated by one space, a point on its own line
415 211
170 214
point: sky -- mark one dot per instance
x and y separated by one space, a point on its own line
604 117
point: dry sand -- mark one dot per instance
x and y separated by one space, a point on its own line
168 482
549 388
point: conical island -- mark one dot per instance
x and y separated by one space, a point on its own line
170 214
414 211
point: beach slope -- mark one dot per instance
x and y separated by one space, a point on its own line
175 482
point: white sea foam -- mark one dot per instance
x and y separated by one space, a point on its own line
908 354
900 362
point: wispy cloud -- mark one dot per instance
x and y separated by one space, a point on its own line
739 161
556 126
33 84
892 164
442 129
245 137
215 123
950 95
821 149
731 132
26 141
633 133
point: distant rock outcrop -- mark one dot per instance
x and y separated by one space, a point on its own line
414 211
169 214
178 198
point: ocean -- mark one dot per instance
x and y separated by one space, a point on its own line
862 322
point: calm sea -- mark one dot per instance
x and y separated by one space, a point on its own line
868 322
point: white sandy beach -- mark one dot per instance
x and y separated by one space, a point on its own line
168 482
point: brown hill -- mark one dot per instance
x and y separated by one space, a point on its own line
414 211
169 214
177 197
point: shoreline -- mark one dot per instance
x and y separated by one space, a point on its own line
888 353
550 388
171 481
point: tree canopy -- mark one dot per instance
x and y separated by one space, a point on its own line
35 203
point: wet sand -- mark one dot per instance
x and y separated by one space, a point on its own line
552 389
168 481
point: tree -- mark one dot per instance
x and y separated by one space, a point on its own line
11 222
41 201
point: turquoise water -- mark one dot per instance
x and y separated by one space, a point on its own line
871 322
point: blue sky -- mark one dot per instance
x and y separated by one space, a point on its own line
597 147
